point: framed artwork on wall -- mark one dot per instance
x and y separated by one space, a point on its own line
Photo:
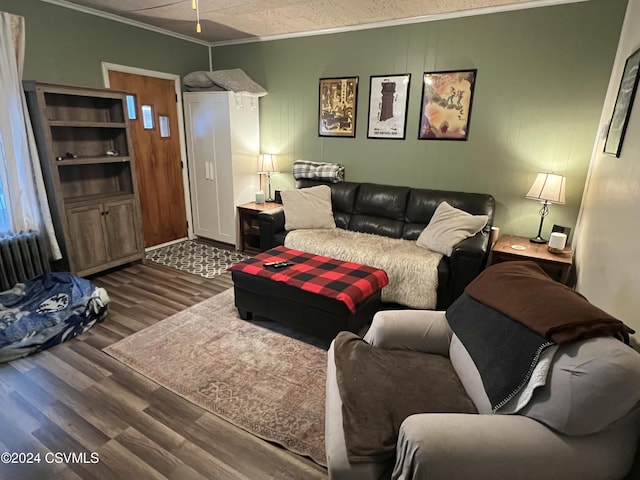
445 110
337 107
388 102
622 108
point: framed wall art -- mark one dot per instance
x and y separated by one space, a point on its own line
337 107
445 110
624 102
388 101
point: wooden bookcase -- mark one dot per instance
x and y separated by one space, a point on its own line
93 196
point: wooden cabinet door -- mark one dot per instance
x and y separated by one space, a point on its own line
121 228
88 238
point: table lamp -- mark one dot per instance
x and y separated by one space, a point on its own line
268 166
547 188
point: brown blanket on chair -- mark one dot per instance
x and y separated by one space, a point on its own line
380 388
562 315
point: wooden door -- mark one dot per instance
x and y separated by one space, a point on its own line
157 153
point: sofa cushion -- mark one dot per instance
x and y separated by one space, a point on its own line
449 226
343 199
308 208
379 209
422 204
591 384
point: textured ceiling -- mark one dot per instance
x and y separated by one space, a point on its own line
233 20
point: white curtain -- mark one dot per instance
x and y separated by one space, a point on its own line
22 181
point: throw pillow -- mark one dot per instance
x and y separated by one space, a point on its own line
308 208
447 227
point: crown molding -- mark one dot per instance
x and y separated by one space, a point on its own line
311 33
402 21
128 21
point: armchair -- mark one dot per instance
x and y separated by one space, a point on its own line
489 446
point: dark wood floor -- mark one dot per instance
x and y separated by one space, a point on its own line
75 399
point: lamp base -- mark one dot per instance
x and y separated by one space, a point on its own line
538 239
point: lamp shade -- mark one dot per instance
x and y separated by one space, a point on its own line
548 187
267 163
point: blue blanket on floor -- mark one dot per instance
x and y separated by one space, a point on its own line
46 311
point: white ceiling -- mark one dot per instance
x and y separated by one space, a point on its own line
230 21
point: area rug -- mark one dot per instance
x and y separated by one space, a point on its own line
196 257
258 375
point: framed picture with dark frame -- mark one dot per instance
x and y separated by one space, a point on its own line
337 107
445 109
388 103
622 108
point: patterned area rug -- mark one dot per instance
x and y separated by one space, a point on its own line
196 257
258 375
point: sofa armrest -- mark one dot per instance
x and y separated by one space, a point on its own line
486 447
418 330
467 260
270 222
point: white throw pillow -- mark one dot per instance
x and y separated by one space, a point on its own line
447 227
308 208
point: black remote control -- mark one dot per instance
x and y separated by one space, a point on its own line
277 264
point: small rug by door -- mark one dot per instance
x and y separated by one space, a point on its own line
249 373
196 257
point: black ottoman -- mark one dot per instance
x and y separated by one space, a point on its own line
312 312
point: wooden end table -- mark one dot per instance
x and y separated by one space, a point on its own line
511 247
248 227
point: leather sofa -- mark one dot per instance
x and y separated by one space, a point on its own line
399 212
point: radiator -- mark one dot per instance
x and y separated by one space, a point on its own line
22 256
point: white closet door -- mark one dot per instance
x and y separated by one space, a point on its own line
223 142
208 150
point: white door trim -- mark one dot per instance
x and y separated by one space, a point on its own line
106 67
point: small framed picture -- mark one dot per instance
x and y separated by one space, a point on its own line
337 107
388 101
446 104
624 102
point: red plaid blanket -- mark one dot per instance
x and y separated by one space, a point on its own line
347 282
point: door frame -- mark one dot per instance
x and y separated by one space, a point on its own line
106 68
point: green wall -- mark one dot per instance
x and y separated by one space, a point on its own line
542 77
67 46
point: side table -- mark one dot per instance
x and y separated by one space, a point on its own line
511 247
248 228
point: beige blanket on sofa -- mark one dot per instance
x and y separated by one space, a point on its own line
412 270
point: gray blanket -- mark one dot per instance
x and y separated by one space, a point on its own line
234 80
505 352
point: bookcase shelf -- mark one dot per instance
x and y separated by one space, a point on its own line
93 196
